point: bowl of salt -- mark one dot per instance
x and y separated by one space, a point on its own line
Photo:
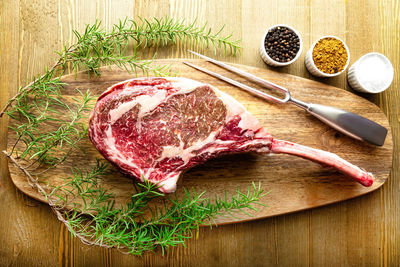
372 73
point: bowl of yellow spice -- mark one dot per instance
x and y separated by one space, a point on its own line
329 56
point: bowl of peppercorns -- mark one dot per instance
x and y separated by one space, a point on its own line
281 45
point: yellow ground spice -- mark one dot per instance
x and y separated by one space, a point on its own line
330 55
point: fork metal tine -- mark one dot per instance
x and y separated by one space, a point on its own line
241 85
242 73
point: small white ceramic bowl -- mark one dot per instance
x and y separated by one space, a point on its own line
310 61
353 74
267 59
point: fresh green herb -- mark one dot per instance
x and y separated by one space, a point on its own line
48 125
97 47
129 229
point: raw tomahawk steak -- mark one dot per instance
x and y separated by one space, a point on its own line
156 128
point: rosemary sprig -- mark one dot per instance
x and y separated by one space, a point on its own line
128 229
48 125
97 47
37 114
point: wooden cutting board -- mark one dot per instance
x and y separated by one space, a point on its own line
293 183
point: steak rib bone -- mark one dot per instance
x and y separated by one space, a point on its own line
323 158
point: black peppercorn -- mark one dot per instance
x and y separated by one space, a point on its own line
282 44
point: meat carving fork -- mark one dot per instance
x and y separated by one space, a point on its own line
346 122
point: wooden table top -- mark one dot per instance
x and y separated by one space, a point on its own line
361 231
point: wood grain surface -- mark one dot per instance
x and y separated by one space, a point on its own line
293 183
364 231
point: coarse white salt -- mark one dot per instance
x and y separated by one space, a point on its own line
374 72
